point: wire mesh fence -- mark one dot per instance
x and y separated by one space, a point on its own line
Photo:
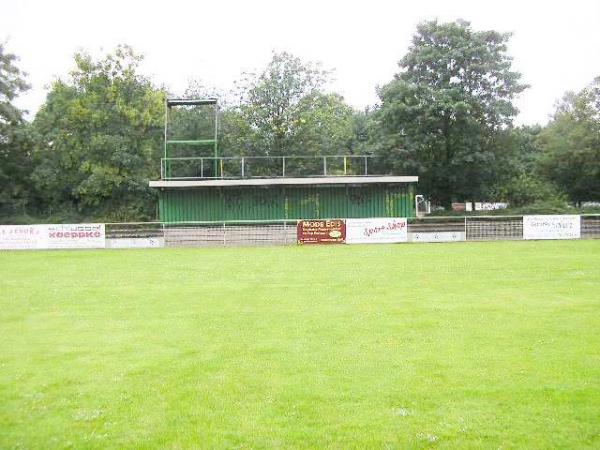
590 226
133 230
229 234
493 228
436 225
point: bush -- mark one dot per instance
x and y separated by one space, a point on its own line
526 189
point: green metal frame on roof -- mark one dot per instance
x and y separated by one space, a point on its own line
174 102
190 102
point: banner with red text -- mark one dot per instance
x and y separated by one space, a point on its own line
53 236
376 231
17 237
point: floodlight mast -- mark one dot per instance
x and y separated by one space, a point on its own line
174 102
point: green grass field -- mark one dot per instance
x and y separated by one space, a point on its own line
479 345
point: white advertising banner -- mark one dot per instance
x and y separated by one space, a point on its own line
82 235
20 237
440 236
489 206
376 230
551 227
151 242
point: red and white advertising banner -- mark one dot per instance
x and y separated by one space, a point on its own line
17 237
552 227
376 231
81 235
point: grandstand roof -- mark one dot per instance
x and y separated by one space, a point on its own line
283 181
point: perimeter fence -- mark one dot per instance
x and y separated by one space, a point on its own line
283 232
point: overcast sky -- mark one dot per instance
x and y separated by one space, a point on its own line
556 44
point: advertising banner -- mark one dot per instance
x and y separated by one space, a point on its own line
321 231
21 237
83 235
489 206
376 230
439 236
551 227
150 242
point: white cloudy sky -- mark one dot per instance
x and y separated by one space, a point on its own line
556 44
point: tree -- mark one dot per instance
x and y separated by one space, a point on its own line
15 142
571 145
285 111
444 114
100 139
324 125
270 101
519 181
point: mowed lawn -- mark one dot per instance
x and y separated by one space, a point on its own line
473 345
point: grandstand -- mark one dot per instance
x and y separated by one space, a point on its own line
200 188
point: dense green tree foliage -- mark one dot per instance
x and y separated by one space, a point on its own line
15 139
272 102
519 181
446 116
571 145
443 115
285 110
100 136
